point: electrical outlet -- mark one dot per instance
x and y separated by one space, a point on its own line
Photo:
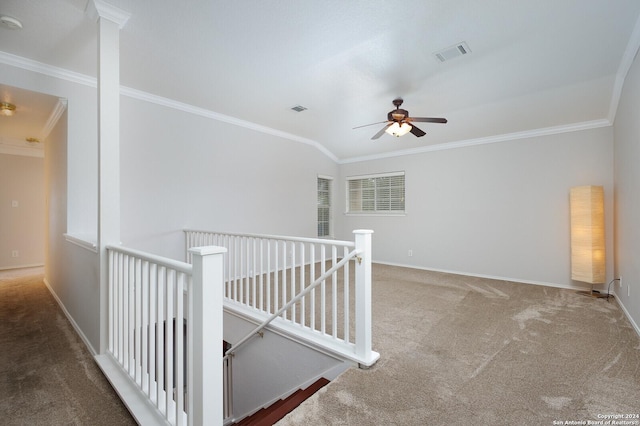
14 203
628 290
15 253
620 280
410 252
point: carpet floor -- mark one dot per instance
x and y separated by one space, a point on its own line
458 350
454 350
47 375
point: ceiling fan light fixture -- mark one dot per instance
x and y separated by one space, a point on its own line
7 109
397 129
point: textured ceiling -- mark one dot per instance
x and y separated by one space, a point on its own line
534 64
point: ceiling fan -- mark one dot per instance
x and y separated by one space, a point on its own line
399 123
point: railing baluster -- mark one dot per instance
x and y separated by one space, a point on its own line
334 293
127 316
303 267
235 269
153 321
160 318
312 277
179 352
268 273
293 280
345 288
252 271
111 306
261 273
168 341
284 277
144 338
137 293
323 301
243 268
276 285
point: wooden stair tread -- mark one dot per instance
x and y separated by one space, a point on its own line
276 411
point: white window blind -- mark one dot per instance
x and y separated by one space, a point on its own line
382 193
324 207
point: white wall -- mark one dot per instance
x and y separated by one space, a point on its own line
627 200
180 171
71 272
496 210
22 211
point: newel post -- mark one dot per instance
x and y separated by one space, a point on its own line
205 337
363 299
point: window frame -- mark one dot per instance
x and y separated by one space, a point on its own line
376 200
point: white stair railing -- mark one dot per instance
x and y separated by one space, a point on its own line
164 333
264 273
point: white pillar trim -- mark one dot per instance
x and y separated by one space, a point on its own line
100 9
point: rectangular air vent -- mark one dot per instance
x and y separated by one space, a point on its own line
452 52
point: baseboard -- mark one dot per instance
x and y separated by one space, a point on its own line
626 312
491 277
34 265
71 320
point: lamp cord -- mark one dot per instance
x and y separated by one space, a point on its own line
609 286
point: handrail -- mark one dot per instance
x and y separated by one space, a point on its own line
294 300
171 263
282 238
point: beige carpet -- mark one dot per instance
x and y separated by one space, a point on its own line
468 351
47 375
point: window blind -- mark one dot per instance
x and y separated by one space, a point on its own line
324 207
384 193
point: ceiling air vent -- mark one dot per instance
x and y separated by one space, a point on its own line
452 52
298 108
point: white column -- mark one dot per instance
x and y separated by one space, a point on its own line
110 21
205 337
363 299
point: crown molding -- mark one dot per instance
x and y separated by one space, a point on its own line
575 127
55 115
628 57
48 70
19 147
144 96
100 9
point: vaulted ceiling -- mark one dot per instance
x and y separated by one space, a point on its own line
534 66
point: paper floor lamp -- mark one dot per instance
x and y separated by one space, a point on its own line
587 235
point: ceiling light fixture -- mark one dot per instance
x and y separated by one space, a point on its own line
11 23
398 130
7 109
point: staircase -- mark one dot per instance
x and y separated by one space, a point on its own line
276 411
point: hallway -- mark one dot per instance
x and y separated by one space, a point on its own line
47 375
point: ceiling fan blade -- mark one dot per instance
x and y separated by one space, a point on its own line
366 125
381 132
428 120
417 132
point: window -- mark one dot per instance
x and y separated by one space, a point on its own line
378 194
324 207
